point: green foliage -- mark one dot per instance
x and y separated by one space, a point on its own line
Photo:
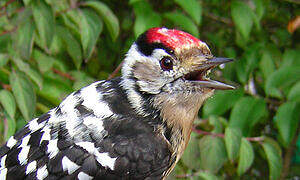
50 48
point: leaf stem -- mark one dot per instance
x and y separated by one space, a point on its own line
253 139
62 74
288 155
115 72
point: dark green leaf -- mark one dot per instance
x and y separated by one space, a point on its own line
274 160
212 154
24 94
183 21
294 94
221 102
246 113
110 20
8 102
23 39
145 17
287 120
192 153
217 123
280 79
90 29
44 21
246 156
72 45
192 7
232 140
81 79
242 17
45 62
30 72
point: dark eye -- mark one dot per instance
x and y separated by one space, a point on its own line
166 63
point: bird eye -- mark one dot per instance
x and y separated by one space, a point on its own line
166 63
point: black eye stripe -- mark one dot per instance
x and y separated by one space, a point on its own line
166 63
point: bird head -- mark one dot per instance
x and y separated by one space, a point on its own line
173 62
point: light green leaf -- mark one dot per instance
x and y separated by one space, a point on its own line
221 102
110 19
145 17
280 79
72 45
266 64
11 127
81 79
192 153
216 122
24 94
259 12
242 18
44 21
8 102
30 72
232 140
294 94
192 7
246 156
183 21
290 58
26 2
274 160
45 62
23 39
212 153
207 176
72 21
90 29
246 113
3 59
287 120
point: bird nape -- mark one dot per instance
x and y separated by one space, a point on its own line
131 127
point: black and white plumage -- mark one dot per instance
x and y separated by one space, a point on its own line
132 127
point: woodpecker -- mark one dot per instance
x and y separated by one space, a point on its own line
131 127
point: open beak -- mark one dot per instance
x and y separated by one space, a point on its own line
199 76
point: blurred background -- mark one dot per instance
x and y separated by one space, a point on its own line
50 48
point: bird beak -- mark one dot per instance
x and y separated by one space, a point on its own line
198 76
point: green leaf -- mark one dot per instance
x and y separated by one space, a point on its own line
145 17
81 79
221 102
183 21
207 176
24 94
90 29
30 72
259 12
246 113
11 127
232 140
23 39
110 19
72 45
45 62
266 64
3 59
191 154
44 21
290 58
246 156
212 154
192 7
274 160
8 102
242 18
281 79
26 2
216 122
294 94
287 120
